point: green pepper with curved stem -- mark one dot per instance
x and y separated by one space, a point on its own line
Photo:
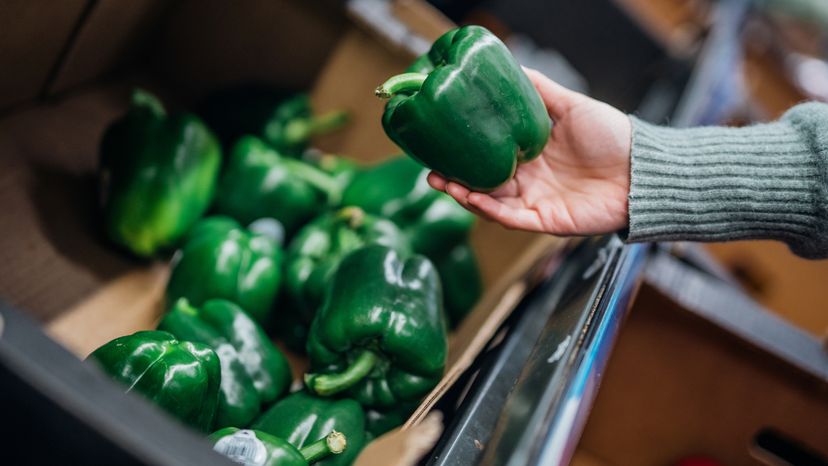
340 168
292 124
252 447
259 182
435 224
380 335
158 174
253 371
467 110
302 418
220 259
397 189
179 376
315 252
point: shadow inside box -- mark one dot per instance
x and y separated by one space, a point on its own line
67 211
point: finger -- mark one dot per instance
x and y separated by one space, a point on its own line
510 189
460 194
436 181
510 217
558 99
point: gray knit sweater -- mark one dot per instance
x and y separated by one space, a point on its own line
768 181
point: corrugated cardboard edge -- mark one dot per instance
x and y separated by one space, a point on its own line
398 448
132 301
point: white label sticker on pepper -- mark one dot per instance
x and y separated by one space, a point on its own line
242 447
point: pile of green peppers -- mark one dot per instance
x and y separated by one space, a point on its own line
367 267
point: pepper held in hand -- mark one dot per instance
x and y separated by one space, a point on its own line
466 110
179 376
253 371
381 333
157 177
220 259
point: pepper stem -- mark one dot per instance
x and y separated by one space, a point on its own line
331 384
302 129
315 177
147 101
354 216
183 305
334 443
406 82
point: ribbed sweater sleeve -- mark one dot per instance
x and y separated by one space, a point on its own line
767 181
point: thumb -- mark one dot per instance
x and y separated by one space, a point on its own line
558 99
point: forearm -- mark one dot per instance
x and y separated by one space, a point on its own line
714 184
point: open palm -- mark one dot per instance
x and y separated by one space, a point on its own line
578 185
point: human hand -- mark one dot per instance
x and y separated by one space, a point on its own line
578 185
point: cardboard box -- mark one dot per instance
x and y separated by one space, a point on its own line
680 385
54 262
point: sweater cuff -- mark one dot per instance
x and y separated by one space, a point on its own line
716 184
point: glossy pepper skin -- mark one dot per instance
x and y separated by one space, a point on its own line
252 447
179 376
434 223
315 252
380 335
158 175
221 259
259 182
253 371
292 124
467 110
302 418
397 189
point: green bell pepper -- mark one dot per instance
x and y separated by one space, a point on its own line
259 182
292 124
317 249
397 189
302 418
462 284
253 371
380 335
220 259
179 376
255 448
158 174
466 110
435 224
